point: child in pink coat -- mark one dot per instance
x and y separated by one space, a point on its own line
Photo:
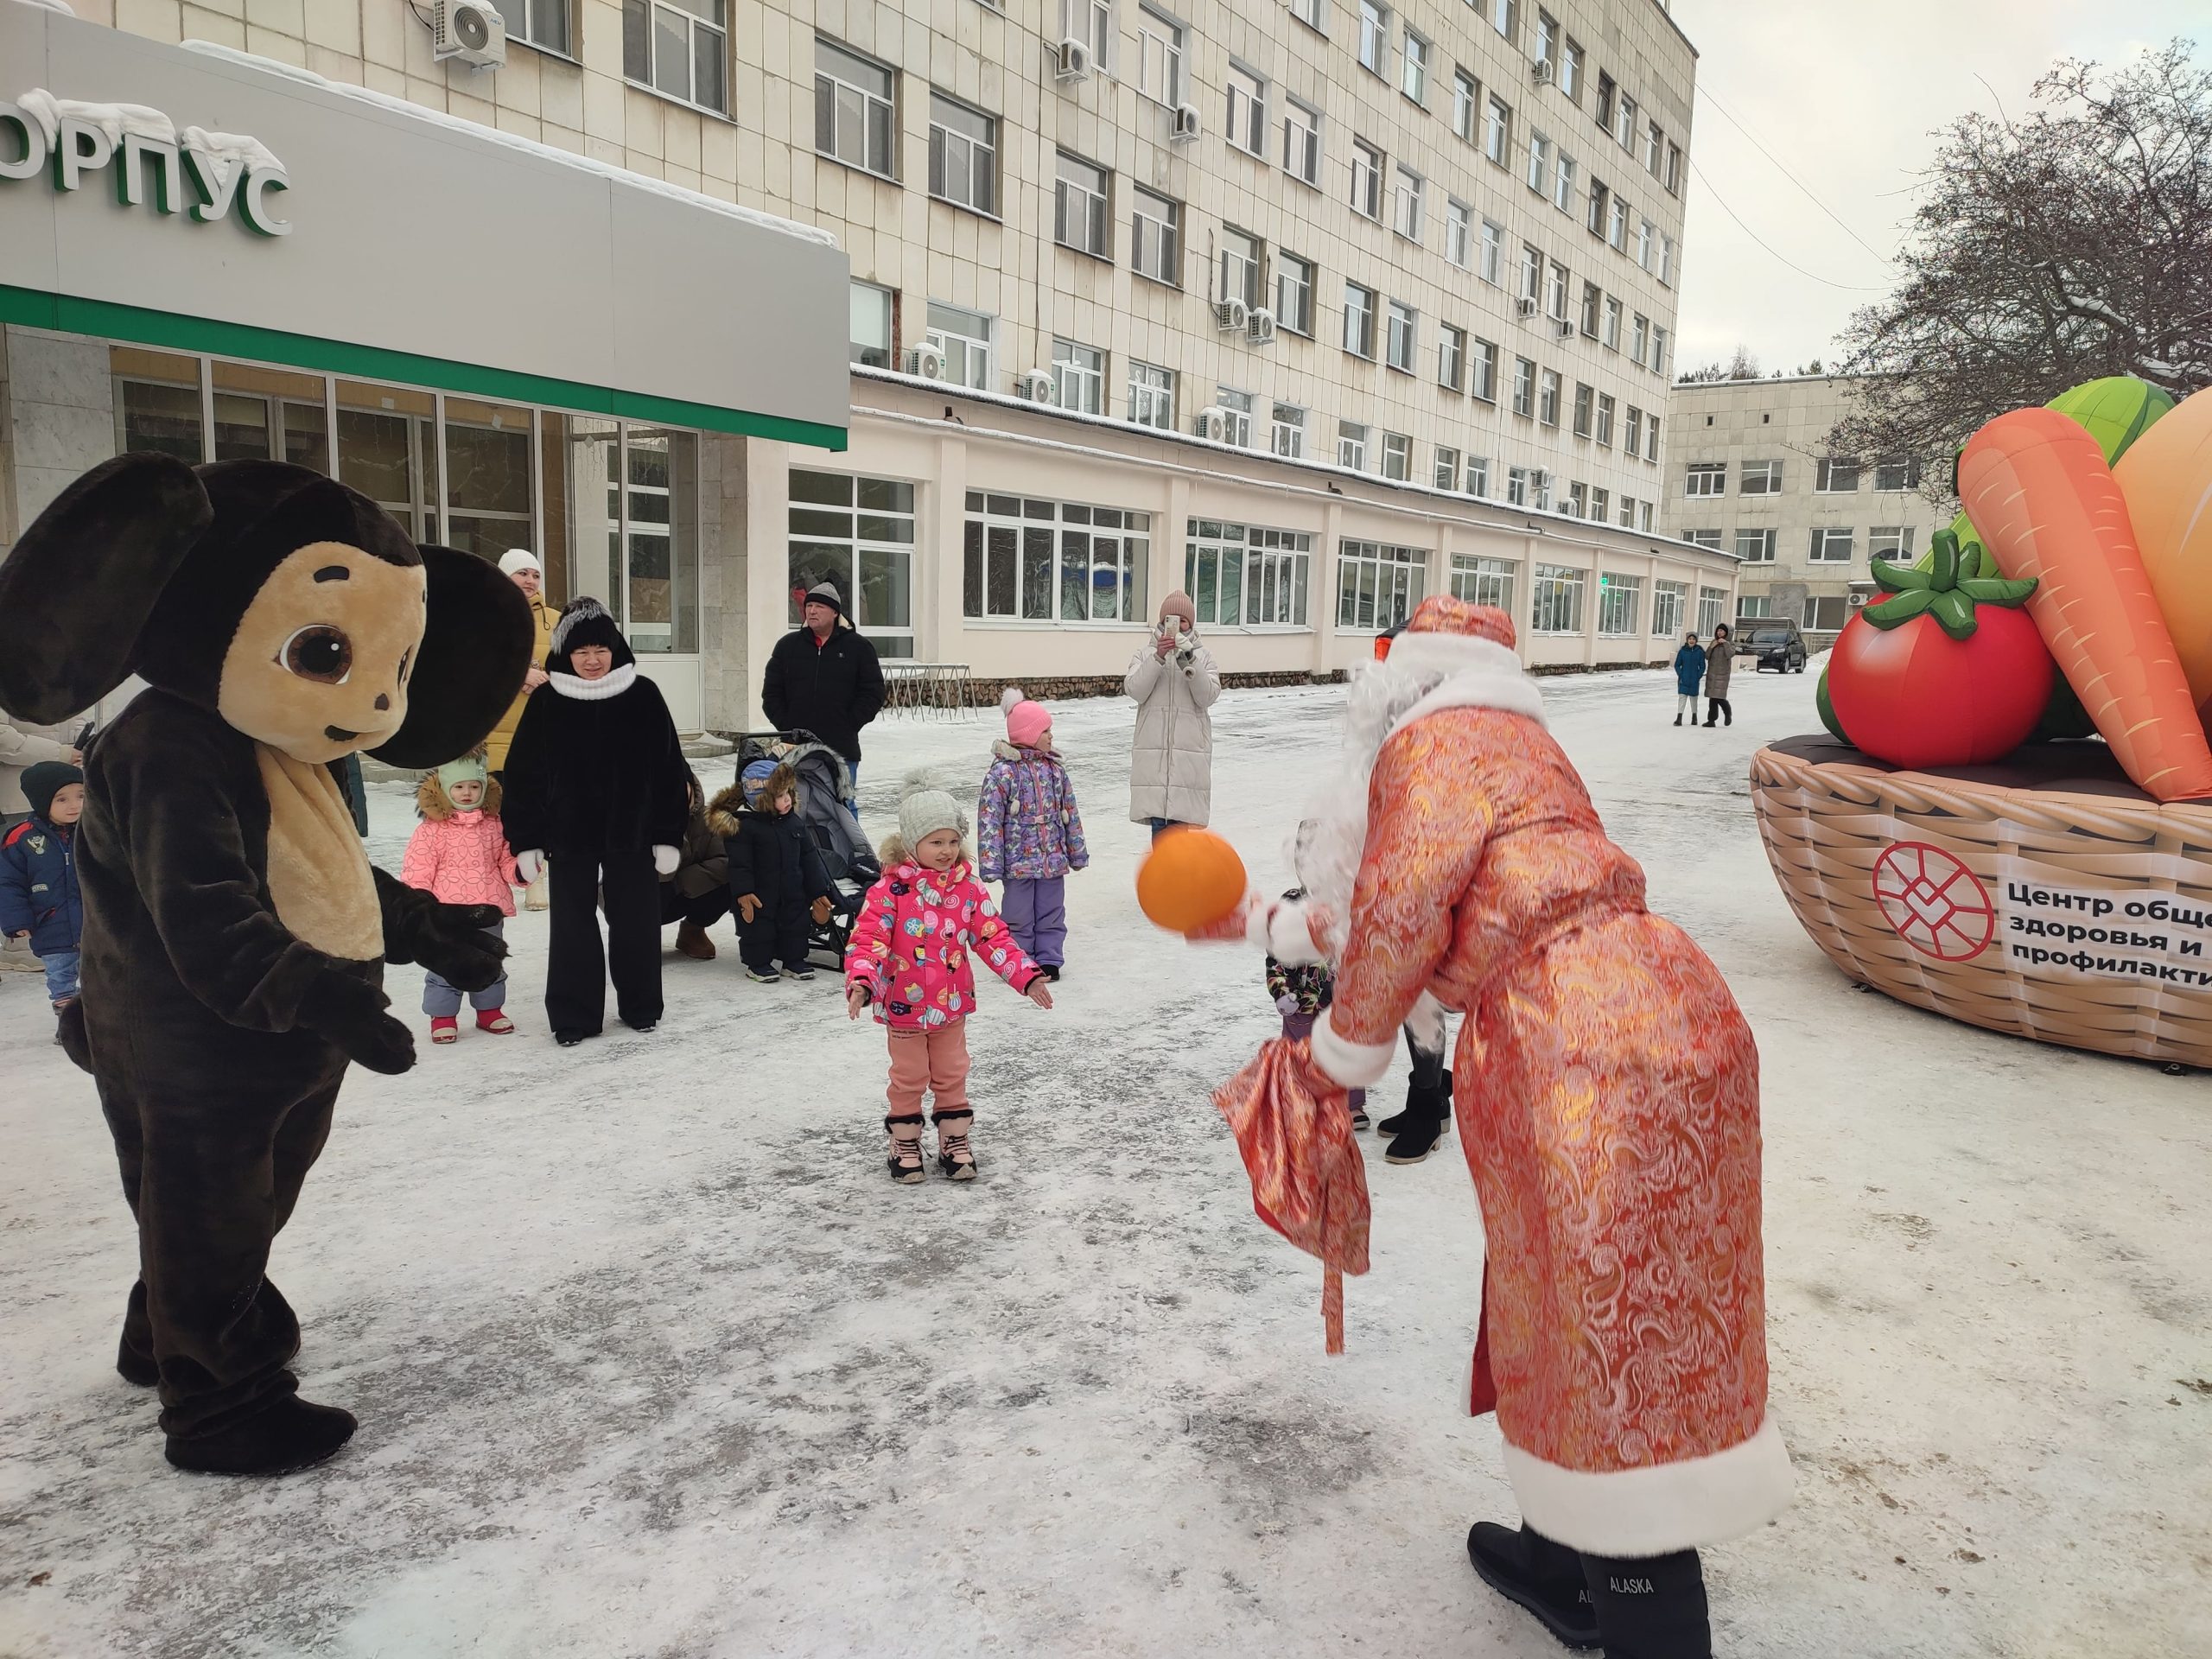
459 852
910 956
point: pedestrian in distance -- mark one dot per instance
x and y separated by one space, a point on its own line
24 744
696 895
459 855
520 565
824 676
40 903
1174 682
1689 672
595 793
1719 664
1030 833
776 878
913 945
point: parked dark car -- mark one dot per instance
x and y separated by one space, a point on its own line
1773 643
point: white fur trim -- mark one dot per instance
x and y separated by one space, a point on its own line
1353 1064
613 683
1657 1508
1290 934
1476 674
1255 921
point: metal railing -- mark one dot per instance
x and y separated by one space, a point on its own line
932 690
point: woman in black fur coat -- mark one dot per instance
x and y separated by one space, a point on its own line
596 792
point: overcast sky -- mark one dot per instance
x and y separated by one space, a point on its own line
1844 95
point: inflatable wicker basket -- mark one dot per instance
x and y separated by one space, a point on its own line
2048 897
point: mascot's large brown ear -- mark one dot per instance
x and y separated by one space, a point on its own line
476 650
76 590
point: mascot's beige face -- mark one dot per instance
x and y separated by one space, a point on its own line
319 666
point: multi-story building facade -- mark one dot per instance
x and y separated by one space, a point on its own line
1311 307
1753 476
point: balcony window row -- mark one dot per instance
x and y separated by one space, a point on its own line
1831 477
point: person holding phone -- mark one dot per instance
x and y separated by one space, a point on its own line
1174 683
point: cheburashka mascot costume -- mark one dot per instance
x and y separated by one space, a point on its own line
235 932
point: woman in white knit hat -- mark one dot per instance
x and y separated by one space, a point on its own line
521 567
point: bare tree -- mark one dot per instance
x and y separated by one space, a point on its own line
2074 243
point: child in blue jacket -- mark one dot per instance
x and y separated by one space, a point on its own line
38 900
1689 673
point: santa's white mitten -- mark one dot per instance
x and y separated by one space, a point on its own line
666 859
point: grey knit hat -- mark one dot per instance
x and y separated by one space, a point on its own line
923 810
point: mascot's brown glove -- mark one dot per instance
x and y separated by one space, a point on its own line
749 907
451 942
350 1013
820 912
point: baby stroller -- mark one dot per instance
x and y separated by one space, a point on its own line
825 802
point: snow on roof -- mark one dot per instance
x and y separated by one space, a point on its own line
529 147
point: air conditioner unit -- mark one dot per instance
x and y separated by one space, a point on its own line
1526 306
1232 313
1213 423
1542 73
1039 387
1563 327
471 30
927 361
1185 125
1074 60
1261 326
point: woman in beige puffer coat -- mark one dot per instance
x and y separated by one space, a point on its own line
1174 683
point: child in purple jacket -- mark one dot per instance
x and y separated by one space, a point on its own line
1030 833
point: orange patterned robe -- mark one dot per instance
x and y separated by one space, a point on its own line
1606 1089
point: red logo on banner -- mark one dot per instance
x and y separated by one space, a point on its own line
1936 904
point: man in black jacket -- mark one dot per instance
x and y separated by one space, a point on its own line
823 677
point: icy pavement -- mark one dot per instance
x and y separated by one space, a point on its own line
651 1359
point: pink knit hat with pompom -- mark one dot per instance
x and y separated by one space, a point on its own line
1026 722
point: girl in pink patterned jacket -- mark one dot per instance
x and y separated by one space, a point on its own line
910 957
459 853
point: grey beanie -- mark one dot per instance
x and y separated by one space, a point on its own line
923 810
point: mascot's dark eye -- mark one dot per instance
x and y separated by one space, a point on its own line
320 652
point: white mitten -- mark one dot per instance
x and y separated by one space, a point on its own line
665 861
530 866
1286 1004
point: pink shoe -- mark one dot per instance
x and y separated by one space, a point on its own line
445 1031
494 1020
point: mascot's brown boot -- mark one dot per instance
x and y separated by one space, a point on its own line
291 1434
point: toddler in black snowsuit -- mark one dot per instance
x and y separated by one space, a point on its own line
776 880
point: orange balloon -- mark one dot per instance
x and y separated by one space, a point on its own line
1191 877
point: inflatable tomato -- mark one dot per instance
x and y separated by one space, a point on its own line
1944 670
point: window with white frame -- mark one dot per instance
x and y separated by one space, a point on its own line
1703 538
1301 141
1248 111
1156 236
1056 562
1247 576
1710 609
964 154
1405 203
859 533
1413 68
1492 269
1546 48
1235 409
1833 477
1366 179
1651 439
1592 298
1478 475
1159 57
1601 201
1890 544
1585 408
1152 395
1547 398
1674 176
1624 123
1578 499
1092 22
1628 512
1352 446
1893 475
1620 599
1458 232
1497 130
1706 477
853 118
1532 272
1524 387
1563 183
1604 112
1643 517
1601 503
1667 261
1831 544
1570 71
1505 16
1375 37
1400 345
1611 338
1668 599
1749 607
1540 163
1482 370
1647 242
1080 217
1359 321
1658 349
1445 473
869 337
1617 214
1451 356
964 340
1314 14
1631 431
1605 427
1557 606
1079 377
1655 148
1466 99
1397 456
1753 546
1483 581
1286 438
1516 486
1761 478
1639 337
1555 287
1294 294
1240 267
680 51
544 24
1378 586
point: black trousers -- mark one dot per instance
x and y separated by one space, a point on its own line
775 934
211 1168
577 967
704 910
1716 707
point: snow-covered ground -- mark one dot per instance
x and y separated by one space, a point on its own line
651 1359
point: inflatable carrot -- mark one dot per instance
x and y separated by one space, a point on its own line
2038 488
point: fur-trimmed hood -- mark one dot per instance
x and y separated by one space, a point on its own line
729 804
1006 751
432 802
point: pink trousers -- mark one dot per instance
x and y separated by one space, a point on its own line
933 1062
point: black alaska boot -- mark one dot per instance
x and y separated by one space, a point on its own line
291 1434
1544 1576
1651 1607
1427 1118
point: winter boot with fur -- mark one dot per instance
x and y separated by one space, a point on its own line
953 1154
291 1434
1653 1607
906 1160
1542 1574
